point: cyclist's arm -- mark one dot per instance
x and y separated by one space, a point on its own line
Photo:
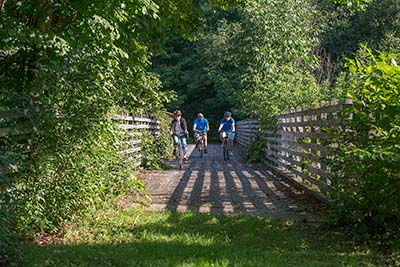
194 127
220 127
207 126
233 127
171 129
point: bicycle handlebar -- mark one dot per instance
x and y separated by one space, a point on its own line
175 134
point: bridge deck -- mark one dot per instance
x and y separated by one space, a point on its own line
212 185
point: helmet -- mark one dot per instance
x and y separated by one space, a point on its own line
177 112
227 114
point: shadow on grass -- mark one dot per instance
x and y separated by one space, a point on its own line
188 239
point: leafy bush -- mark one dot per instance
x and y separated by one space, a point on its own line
255 150
155 149
367 162
9 239
70 75
67 176
354 4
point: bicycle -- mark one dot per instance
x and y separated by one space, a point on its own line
179 152
199 142
225 148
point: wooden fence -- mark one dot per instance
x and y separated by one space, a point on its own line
134 125
298 147
130 146
7 119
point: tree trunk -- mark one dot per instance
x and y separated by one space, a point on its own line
2 2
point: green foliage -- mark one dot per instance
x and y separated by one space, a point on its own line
10 251
367 163
354 4
200 75
244 61
150 158
344 29
9 239
156 148
69 64
280 60
255 150
69 178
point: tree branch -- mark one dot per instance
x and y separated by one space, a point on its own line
2 3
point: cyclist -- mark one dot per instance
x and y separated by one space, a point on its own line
179 132
227 128
201 124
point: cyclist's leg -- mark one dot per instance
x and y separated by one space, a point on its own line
205 142
176 140
231 136
230 145
184 145
196 137
221 136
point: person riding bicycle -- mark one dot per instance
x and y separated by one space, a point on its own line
227 129
201 124
179 132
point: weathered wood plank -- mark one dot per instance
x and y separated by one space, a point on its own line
299 146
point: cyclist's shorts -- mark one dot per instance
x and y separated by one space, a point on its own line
231 135
203 133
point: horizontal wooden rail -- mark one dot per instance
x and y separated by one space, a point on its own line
299 146
130 147
133 125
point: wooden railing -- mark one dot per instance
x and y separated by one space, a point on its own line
6 116
130 147
298 147
134 125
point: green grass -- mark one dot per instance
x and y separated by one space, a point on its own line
135 238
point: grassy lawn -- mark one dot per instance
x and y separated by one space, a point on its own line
136 238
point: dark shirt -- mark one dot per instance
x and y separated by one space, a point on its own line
183 123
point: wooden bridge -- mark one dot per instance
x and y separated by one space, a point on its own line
215 186
293 165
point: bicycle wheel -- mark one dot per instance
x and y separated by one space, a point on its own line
227 152
201 149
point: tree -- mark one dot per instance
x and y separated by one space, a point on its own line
279 47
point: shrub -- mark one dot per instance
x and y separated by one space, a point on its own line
74 171
255 151
10 254
154 149
367 162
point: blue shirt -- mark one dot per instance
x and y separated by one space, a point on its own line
201 125
227 125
